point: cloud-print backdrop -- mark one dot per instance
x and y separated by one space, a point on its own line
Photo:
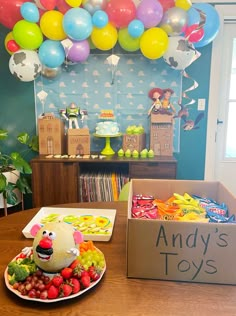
91 87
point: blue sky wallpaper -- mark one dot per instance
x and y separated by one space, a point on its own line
97 85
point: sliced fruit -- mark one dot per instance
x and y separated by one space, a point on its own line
102 221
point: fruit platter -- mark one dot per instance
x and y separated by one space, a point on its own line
26 280
94 224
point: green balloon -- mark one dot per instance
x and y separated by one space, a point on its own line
27 35
127 42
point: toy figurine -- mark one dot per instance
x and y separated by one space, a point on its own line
84 118
155 94
71 114
165 102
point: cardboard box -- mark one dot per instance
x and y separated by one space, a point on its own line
134 142
78 141
51 135
161 134
181 251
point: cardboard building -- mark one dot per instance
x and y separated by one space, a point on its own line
134 142
51 135
78 141
161 134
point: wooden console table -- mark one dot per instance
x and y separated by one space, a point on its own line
56 180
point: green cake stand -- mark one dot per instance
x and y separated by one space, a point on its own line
107 150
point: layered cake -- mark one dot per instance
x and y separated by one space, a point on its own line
107 128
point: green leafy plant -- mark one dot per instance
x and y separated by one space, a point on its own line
16 161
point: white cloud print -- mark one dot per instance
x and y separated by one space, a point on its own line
62 95
62 84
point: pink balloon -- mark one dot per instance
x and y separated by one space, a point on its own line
62 6
150 13
79 51
10 12
121 13
193 34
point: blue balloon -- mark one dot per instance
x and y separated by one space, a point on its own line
136 28
100 19
212 23
30 12
51 53
77 24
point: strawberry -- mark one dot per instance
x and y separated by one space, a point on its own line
85 281
74 264
77 271
75 285
94 273
53 292
84 273
57 280
66 273
65 290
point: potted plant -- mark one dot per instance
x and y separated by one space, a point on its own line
14 164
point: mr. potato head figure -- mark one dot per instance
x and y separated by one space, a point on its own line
55 245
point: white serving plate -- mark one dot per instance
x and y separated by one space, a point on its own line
25 297
101 235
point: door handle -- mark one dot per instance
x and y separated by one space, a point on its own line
219 122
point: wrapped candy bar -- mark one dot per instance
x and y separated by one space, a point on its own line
142 207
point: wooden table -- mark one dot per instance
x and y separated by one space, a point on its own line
115 294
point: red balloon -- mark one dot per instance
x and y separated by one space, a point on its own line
193 34
10 12
167 4
12 46
121 13
48 4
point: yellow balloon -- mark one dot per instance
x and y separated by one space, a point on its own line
154 43
183 4
104 38
51 25
74 3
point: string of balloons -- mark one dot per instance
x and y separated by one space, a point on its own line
45 33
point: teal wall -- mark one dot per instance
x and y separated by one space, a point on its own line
18 110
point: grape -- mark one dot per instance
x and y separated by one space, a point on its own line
92 257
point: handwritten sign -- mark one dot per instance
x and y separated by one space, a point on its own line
182 251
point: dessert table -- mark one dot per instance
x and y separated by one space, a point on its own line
115 294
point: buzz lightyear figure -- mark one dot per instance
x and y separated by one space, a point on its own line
71 114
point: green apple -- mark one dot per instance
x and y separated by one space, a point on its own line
141 129
135 154
144 153
150 153
136 131
128 153
129 130
120 152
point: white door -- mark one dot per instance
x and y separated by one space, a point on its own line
221 135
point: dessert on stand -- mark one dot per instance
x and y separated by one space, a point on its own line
108 128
